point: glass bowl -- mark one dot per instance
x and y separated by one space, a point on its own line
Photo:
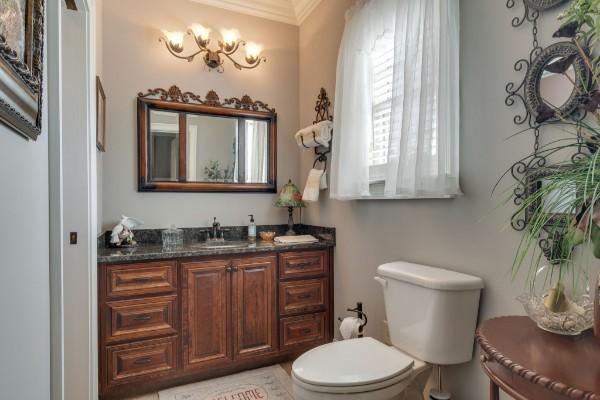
559 300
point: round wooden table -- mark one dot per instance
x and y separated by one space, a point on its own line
529 364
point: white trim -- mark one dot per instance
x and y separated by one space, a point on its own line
303 8
292 12
54 96
69 264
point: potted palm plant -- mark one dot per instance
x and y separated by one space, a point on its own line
563 205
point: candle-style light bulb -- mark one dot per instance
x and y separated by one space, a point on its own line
201 32
253 51
175 40
230 37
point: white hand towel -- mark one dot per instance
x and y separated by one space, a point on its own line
349 327
296 239
315 135
313 183
323 184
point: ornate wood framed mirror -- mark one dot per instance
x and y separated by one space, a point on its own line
188 143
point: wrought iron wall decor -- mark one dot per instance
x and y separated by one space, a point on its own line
541 67
322 109
543 4
21 60
535 113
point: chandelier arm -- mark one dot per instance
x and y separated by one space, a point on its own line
233 50
248 66
189 57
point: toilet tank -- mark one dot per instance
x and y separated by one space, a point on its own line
431 312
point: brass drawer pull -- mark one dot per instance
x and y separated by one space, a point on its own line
304 264
143 317
143 360
305 331
304 296
142 279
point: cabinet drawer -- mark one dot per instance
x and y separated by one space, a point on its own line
140 279
303 330
302 264
302 296
139 360
140 319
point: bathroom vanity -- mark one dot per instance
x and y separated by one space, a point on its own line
168 318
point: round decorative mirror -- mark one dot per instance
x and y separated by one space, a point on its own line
554 82
544 4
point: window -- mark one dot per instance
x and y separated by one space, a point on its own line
382 75
396 126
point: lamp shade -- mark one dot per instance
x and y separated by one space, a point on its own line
290 196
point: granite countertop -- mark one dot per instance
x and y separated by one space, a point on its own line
149 246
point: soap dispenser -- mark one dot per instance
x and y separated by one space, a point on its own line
251 229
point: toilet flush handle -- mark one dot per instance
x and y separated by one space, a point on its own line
382 281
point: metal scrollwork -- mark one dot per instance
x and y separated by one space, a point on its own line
582 80
528 173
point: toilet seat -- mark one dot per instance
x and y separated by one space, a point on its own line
352 366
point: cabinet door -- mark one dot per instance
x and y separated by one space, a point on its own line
254 307
206 314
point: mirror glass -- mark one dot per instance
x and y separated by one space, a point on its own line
164 145
557 201
218 149
556 89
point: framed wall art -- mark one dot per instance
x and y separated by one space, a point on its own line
100 115
21 65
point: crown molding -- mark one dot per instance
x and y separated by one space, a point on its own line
303 8
292 12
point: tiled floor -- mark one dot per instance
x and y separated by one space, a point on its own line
154 396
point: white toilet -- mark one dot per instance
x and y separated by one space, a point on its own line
431 314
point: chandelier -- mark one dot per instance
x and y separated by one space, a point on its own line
228 45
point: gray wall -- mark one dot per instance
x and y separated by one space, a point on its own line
467 234
24 260
134 61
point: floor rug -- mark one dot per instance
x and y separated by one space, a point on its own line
270 383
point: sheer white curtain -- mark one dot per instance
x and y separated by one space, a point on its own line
257 137
423 157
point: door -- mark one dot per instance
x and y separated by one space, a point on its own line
206 314
254 307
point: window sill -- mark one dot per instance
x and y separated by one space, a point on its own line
416 197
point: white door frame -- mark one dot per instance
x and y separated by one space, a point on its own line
72 208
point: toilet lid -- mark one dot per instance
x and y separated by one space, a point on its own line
354 362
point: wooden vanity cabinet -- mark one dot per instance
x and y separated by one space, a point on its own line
163 324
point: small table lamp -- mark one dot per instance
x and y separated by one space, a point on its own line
290 197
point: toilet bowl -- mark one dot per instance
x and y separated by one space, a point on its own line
431 314
355 369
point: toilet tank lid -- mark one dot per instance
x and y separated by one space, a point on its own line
429 277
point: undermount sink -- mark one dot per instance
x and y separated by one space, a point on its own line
227 244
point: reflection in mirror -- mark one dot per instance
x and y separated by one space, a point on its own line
227 150
211 149
556 89
164 145
256 135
